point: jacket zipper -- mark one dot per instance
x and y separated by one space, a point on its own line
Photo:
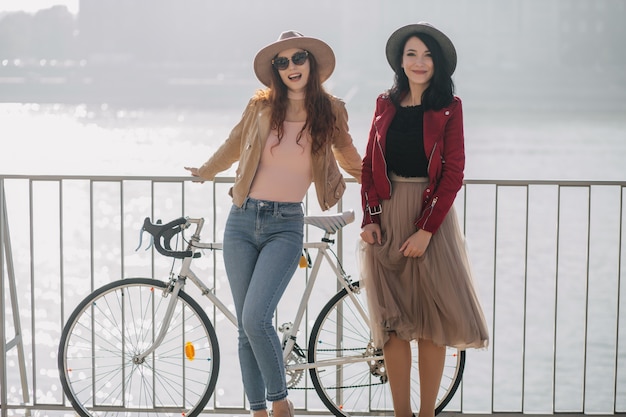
432 203
430 158
385 161
430 210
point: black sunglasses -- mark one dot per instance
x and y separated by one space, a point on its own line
281 63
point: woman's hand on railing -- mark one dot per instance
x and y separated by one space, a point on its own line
194 172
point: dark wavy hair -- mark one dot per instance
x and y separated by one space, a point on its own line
320 120
440 92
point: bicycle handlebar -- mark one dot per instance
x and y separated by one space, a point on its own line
329 223
166 232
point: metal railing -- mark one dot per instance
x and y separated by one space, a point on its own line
546 256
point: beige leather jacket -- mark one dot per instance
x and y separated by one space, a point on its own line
247 140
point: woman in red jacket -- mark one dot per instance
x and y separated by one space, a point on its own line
415 265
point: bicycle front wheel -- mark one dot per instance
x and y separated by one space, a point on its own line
350 375
97 357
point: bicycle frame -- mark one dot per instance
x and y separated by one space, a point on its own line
345 282
289 336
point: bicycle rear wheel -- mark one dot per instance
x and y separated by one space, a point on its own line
118 321
353 381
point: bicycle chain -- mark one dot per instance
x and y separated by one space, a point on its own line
345 386
339 350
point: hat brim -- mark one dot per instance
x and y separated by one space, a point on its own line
396 41
324 56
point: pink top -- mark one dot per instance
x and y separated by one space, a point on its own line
285 171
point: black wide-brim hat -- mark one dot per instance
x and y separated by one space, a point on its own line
395 44
324 55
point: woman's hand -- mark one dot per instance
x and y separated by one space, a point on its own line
194 172
415 246
371 234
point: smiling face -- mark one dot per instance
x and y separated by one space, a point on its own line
295 77
417 62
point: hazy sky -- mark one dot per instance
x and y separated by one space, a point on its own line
34 5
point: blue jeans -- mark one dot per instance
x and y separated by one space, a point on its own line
262 247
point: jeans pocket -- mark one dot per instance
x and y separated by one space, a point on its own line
292 213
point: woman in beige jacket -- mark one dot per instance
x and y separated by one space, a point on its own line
291 134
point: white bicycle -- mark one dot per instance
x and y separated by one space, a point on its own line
140 346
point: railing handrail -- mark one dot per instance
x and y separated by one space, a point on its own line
230 179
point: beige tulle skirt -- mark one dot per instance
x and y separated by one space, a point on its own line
431 297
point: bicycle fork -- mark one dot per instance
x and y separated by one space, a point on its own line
172 291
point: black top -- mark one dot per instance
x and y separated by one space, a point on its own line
404 151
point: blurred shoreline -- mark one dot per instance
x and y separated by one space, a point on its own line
200 86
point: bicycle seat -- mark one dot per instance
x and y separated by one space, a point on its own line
330 223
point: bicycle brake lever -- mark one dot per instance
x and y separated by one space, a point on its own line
141 238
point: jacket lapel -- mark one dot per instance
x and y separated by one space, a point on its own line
382 123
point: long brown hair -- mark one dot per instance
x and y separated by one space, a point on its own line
320 120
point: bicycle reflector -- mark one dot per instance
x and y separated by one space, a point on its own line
190 351
305 259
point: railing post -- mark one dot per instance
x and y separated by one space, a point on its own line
3 356
6 255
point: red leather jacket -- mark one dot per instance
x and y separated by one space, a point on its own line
444 146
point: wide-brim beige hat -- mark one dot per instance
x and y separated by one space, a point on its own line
396 41
324 55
